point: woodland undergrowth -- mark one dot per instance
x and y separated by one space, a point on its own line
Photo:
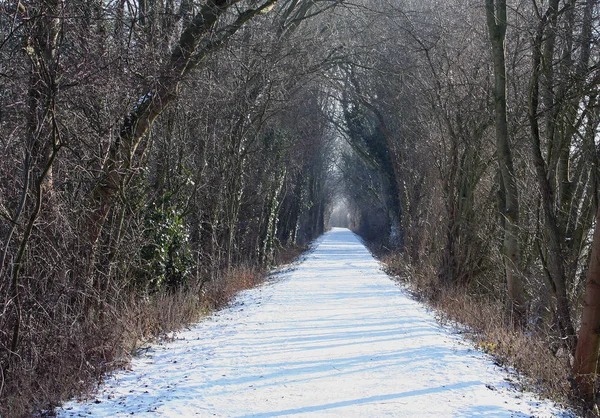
75 352
540 367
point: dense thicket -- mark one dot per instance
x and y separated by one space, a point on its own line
476 124
150 148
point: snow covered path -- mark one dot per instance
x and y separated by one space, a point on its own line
333 338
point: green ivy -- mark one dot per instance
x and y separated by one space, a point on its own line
166 258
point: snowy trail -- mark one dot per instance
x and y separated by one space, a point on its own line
333 338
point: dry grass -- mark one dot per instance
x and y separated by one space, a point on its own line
287 255
146 319
527 351
62 358
220 292
71 352
483 320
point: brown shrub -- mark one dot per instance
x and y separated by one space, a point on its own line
527 351
287 255
72 350
219 292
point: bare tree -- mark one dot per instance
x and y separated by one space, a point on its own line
588 344
509 195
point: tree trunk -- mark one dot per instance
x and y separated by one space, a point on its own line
496 20
586 355
552 231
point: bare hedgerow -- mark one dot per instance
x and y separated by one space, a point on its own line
130 184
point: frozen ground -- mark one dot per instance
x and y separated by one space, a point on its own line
333 338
